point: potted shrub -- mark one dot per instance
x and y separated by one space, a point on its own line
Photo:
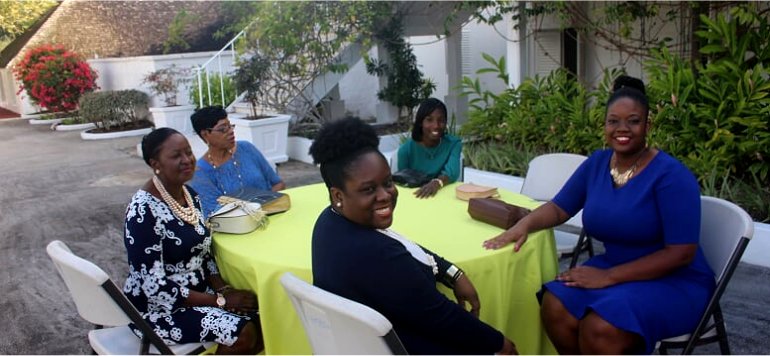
164 84
54 79
268 132
115 113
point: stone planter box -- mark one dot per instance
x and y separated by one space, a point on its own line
86 135
269 135
36 121
75 127
175 117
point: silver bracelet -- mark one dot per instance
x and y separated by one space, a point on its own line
453 273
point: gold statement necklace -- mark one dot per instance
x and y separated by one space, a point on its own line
188 214
622 178
211 158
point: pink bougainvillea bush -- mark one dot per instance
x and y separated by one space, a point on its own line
54 77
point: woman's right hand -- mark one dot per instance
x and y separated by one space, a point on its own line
508 348
517 234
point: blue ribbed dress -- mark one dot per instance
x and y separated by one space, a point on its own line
660 206
247 168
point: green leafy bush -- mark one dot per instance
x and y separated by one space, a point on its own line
115 109
711 115
714 116
554 113
217 83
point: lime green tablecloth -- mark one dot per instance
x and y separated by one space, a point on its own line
506 282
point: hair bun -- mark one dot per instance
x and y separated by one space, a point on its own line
625 81
341 138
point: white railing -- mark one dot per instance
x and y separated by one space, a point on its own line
203 73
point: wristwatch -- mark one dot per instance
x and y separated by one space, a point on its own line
221 301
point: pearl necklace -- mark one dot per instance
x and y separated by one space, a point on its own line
190 214
622 178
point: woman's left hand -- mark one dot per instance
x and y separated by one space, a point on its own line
428 190
586 277
241 301
465 292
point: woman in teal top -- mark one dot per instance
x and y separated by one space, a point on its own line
431 150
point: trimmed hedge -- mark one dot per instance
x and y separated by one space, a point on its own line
115 108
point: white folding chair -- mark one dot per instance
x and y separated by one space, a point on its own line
336 325
101 302
546 175
725 231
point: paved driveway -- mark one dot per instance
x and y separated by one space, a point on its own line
53 185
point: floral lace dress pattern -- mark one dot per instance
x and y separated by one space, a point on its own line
168 258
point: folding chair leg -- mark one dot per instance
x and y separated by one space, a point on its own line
724 346
584 243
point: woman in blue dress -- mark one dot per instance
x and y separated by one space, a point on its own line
173 279
644 205
357 256
227 166
431 150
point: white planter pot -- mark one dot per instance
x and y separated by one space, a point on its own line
175 117
108 135
298 147
269 135
392 142
32 116
75 127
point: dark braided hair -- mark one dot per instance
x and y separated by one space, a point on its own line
632 88
152 141
426 108
340 143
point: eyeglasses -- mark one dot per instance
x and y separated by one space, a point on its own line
223 129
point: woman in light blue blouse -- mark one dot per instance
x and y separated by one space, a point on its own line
431 150
227 166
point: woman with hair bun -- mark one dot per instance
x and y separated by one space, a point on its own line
653 281
357 256
173 279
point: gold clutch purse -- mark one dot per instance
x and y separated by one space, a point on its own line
468 191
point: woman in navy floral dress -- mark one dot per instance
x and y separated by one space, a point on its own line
173 279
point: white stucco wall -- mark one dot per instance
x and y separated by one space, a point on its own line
359 90
128 72
124 73
8 89
430 53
